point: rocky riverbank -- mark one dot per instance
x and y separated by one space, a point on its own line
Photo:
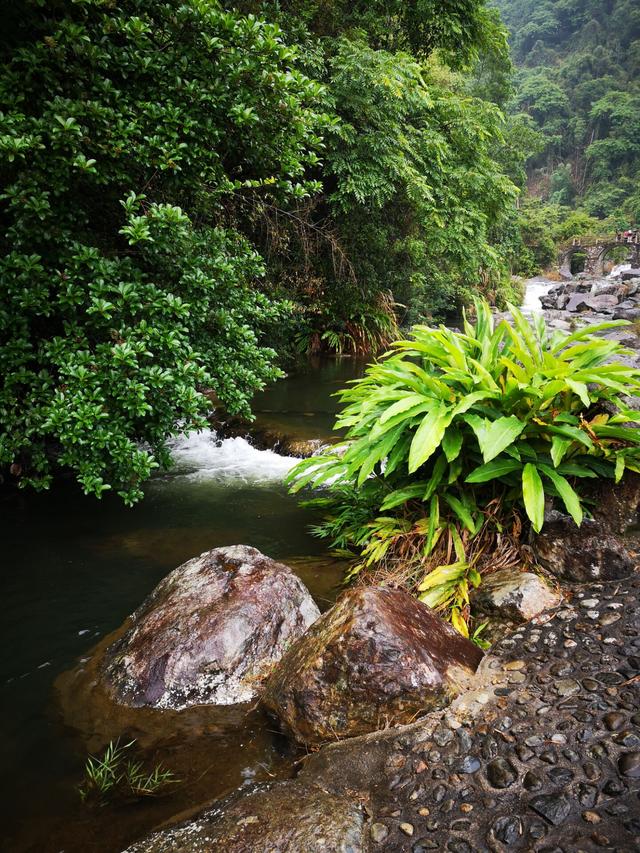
543 754
534 746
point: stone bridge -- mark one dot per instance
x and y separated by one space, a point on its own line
597 250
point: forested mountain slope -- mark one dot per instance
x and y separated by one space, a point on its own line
577 79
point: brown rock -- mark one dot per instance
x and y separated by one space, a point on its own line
210 632
378 656
580 554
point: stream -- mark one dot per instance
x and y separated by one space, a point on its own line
74 568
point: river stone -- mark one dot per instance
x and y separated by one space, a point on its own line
514 595
378 657
284 818
580 554
210 632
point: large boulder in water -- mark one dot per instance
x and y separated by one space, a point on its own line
377 657
210 632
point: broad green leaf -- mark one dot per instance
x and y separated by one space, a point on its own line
581 390
400 496
494 469
566 492
559 447
452 443
436 477
533 496
494 436
620 465
401 406
428 436
461 511
571 432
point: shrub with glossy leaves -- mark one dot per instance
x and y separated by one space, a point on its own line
452 432
124 127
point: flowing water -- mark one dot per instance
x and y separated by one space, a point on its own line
74 568
536 288
618 270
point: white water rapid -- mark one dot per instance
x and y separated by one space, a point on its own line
535 289
203 456
618 270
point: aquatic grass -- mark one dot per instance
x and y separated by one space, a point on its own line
115 774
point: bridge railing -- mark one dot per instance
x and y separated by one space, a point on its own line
590 241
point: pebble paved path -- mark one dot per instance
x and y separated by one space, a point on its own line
556 768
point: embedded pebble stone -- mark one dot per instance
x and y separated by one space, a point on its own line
470 765
501 773
629 764
552 807
379 832
614 721
508 829
567 687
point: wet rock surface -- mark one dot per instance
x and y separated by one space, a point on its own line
541 755
377 657
617 505
580 554
267 433
513 595
209 633
585 294
279 819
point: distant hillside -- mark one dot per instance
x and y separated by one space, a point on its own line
578 70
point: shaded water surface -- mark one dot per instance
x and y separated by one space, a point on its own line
73 568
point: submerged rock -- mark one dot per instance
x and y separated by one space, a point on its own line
377 657
581 554
209 633
515 595
285 818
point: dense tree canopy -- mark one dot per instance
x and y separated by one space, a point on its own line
578 63
186 188
123 130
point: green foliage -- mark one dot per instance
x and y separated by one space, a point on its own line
125 131
115 774
578 80
413 191
452 432
416 197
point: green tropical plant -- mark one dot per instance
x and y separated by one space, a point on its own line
453 436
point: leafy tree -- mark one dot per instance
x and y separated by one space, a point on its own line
124 131
415 199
